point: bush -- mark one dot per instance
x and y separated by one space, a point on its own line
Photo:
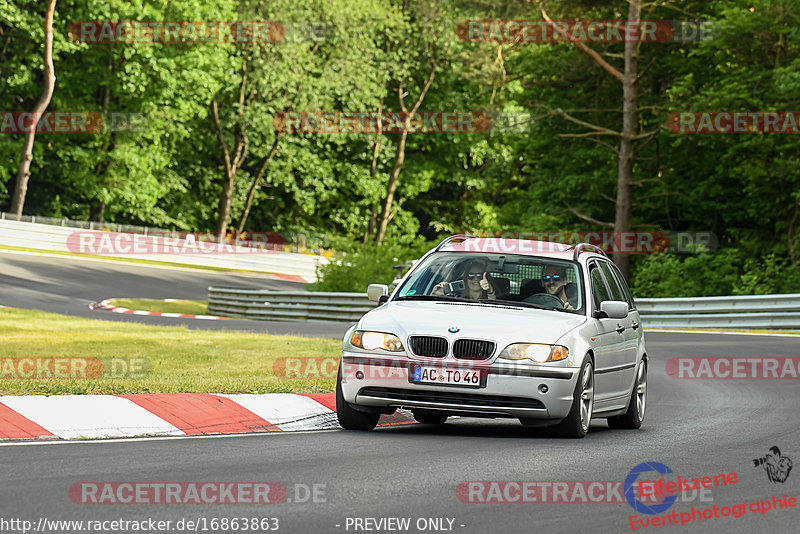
366 264
723 272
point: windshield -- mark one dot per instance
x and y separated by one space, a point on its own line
519 280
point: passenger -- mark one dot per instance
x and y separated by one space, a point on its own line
476 284
554 281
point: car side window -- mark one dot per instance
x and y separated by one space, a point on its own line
599 290
616 291
624 285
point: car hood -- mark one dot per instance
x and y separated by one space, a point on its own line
503 324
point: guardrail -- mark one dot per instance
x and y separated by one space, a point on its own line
171 250
287 305
757 311
750 311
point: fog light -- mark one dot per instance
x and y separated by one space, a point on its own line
543 388
359 375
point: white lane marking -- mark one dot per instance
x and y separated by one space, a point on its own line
89 416
18 443
287 411
796 336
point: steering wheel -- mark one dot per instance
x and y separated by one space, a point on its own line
545 299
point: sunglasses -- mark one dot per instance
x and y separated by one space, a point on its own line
474 276
554 278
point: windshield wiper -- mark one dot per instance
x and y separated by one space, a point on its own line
431 297
513 303
521 304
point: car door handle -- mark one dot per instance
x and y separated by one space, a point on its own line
620 328
635 325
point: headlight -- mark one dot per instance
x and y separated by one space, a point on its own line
534 351
376 340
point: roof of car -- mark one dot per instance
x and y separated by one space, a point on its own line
499 245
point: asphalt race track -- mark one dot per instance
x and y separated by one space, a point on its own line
67 285
695 427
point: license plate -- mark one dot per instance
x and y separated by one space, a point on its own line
447 376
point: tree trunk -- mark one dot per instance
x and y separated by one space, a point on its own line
386 214
622 219
373 174
26 156
392 187
254 186
232 164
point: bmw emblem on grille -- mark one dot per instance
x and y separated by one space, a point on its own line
453 329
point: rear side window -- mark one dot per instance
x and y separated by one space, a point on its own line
599 291
616 291
624 285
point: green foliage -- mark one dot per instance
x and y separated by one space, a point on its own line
723 272
366 264
671 275
545 176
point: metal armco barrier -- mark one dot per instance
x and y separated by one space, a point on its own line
287 305
751 311
757 311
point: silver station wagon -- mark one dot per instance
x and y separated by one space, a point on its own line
502 328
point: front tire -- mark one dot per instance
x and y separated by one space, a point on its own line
576 424
349 418
633 418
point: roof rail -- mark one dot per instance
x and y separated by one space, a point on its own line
587 247
448 240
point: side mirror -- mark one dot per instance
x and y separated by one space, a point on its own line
613 309
376 291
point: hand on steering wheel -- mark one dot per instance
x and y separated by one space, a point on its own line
546 299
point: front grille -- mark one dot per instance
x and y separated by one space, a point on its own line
473 349
429 346
467 400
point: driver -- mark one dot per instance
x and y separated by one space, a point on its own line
475 282
554 281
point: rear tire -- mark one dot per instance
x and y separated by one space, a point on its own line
429 418
349 418
576 424
633 418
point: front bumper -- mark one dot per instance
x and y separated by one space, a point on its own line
509 390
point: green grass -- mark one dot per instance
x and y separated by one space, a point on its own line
180 360
192 307
128 260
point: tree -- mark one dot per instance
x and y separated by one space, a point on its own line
629 78
21 187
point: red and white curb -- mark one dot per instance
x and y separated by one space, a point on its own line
168 414
106 305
